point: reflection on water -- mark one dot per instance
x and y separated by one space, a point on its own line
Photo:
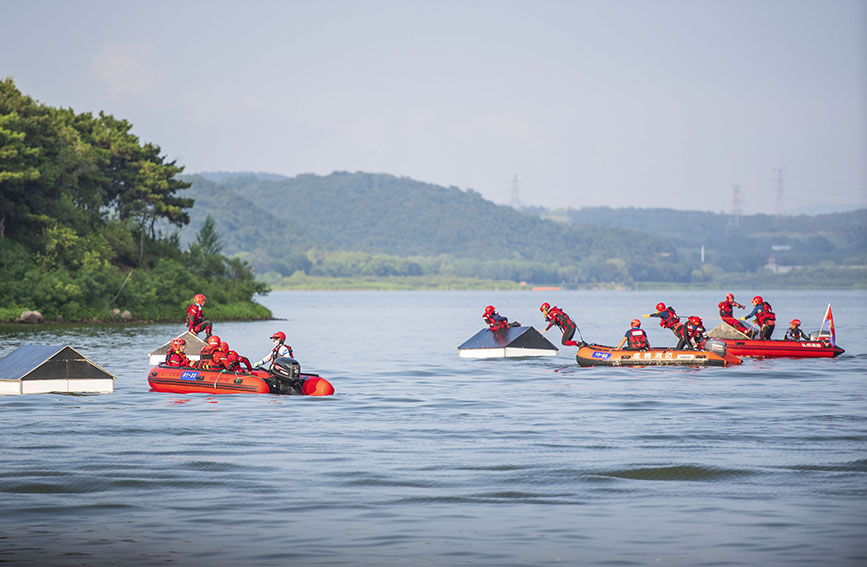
422 457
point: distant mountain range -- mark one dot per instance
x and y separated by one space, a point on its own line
283 224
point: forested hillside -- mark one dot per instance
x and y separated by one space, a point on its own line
349 224
360 224
81 200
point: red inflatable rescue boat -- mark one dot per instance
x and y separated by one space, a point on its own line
819 348
284 378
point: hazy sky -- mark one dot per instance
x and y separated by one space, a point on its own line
624 103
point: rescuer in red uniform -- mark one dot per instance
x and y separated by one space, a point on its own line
196 322
176 355
219 358
235 360
726 313
696 335
556 316
496 321
211 358
635 338
765 317
668 319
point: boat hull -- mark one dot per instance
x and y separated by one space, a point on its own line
782 349
180 380
597 355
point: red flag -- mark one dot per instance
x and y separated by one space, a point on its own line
829 317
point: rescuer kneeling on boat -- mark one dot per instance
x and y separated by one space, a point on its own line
635 338
196 322
668 319
176 355
556 316
280 350
695 334
496 321
236 361
794 333
765 317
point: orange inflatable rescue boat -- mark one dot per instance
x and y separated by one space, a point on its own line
285 377
714 355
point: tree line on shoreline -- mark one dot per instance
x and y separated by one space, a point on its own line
82 206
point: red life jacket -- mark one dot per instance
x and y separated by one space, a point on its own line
495 321
206 356
669 319
556 316
175 358
636 339
726 309
697 334
218 361
195 315
765 315
236 360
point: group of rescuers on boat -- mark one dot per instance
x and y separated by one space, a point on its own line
216 355
690 335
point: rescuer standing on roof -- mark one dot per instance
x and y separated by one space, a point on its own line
556 316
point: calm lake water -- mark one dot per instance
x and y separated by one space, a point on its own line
425 458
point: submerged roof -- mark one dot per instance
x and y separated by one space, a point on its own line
725 331
41 362
513 337
194 344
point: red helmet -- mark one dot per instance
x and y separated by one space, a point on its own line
544 307
489 309
758 299
224 347
660 306
730 297
214 340
178 342
199 298
695 320
796 322
232 356
279 335
635 323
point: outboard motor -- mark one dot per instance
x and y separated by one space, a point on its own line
287 376
286 368
715 346
820 335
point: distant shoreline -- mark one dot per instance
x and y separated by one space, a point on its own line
445 283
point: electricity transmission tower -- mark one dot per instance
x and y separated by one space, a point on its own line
737 209
516 201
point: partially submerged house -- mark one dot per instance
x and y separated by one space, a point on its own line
38 369
511 342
